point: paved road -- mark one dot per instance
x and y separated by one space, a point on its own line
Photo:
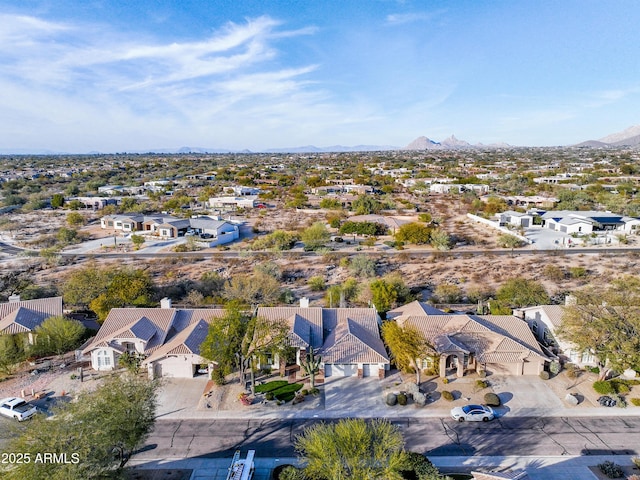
173 439
9 249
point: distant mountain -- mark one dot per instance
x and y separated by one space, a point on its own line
451 143
333 148
629 137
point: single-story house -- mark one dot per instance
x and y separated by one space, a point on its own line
516 219
247 201
215 232
586 222
24 316
544 320
347 339
500 344
167 338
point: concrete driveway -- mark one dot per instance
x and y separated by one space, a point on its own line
352 396
526 395
179 397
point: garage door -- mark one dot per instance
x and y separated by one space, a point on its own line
177 367
341 370
369 370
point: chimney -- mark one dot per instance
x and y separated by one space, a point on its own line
304 302
165 303
14 298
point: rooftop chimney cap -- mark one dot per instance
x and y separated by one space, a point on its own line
304 302
165 302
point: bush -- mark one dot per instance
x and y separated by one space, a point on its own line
555 367
544 375
420 399
289 472
611 470
481 384
402 399
620 386
314 391
447 395
316 284
595 370
217 375
620 401
603 387
445 380
269 396
492 399
391 399
635 402
418 467
482 373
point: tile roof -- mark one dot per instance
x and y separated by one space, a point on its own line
187 341
493 338
26 315
345 335
156 326
414 308
518 475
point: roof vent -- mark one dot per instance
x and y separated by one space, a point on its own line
165 303
304 302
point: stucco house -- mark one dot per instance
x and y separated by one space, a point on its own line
586 222
516 219
501 344
24 316
167 338
231 203
544 320
216 232
348 339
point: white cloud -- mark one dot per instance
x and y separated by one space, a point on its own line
404 18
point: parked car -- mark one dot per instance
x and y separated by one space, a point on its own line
472 413
206 235
18 408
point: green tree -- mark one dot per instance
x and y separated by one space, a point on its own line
97 434
57 200
315 236
256 289
58 335
330 203
132 361
225 338
605 320
440 239
67 236
11 353
353 448
362 266
417 233
126 288
278 240
316 283
366 205
82 286
75 219
383 295
522 292
448 293
407 346
137 241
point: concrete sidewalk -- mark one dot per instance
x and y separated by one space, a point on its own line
538 468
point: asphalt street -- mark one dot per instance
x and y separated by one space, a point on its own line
545 436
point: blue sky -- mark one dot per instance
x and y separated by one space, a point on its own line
122 75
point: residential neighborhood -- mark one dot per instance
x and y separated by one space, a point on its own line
256 291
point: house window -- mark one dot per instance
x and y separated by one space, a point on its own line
534 327
129 347
104 359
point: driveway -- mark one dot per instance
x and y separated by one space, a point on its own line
179 397
524 395
352 396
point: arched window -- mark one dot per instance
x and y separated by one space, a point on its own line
104 359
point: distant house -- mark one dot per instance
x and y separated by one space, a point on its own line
544 320
343 189
348 339
501 344
516 219
232 203
586 222
242 191
24 316
215 232
95 203
167 338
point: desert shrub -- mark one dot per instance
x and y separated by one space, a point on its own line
482 373
445 380
481 384
289 472
447 395
420 399
553 272
314 391
402 399
610 469
492 399
603 387
218 376
555 367
595 370
577 272
431 371
304 391
620 401
620 386
316 283
635 402
573 372
544 375
269 396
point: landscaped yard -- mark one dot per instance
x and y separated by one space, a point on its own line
280 389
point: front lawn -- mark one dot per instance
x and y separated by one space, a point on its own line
281 389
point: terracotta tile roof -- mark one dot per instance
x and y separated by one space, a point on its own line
163 329
353 334
26 315
415 308
492 338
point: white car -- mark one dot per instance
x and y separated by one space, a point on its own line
473 413
18 408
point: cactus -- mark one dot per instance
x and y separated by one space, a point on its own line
311 365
